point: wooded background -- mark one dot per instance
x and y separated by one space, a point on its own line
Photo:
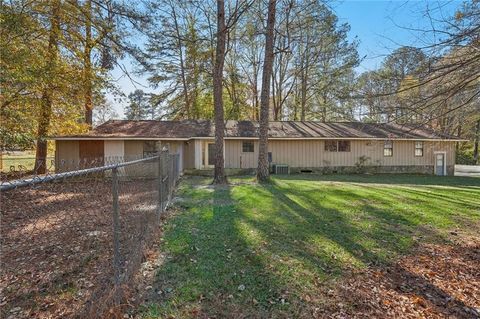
57 57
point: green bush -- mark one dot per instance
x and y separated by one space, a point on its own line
464 154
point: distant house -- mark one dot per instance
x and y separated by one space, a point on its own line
303 146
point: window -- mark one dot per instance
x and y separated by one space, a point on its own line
247 147
388 148
344 146
150 148
331 146
337 146
418 148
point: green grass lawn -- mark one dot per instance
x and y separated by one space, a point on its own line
248 250
21 161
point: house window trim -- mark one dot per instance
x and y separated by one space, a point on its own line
419 148
336 143
349 148
388 148
333 143
250 142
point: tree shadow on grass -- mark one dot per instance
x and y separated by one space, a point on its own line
396 179
211 269
434 195
263 251
362 245
355 240
420 205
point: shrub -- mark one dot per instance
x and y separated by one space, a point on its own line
464 155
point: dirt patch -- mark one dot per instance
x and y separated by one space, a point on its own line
435 281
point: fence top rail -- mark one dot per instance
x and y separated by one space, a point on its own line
4 186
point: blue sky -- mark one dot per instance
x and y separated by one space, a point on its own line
380 27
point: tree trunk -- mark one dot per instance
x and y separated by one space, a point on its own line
324 108
303 103
274 99
256 112
459 133
219 170
47 92
263 169
182 64
87 61
477 140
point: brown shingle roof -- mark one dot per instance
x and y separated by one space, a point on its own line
283 129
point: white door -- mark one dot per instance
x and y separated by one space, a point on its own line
440 164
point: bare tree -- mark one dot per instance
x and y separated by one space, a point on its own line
263 169
181 61
446 91
219 176
250 60
104 112
283 77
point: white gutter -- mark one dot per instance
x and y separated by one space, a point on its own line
337 138
83 138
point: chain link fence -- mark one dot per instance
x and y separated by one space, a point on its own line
15 167
72 242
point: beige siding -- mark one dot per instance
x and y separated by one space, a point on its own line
133 150
174 147
189 155
311 153
67 155
236 158
114 151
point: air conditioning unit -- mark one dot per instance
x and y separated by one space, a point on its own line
281 169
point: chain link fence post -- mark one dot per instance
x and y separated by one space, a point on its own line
169 178
178 168
160 186
116 237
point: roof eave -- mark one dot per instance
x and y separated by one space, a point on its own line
336 138
116 138
143 138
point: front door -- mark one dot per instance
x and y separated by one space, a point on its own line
211 154
440 164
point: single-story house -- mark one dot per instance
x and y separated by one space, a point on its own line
303 146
